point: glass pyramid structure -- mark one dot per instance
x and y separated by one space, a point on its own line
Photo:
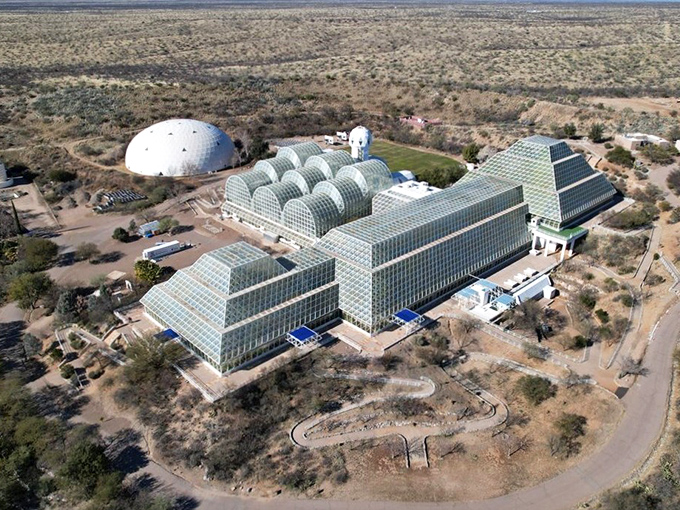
558 183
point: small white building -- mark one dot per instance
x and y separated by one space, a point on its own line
635 141
161 250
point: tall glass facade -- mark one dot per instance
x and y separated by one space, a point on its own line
417 251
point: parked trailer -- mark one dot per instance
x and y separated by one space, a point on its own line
161 250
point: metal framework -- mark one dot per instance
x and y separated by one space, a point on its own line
312 215
408 319
415 252
304 178
304 338
269 200
372 176
237 302
347 195
240 188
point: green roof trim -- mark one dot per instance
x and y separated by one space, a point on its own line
568 233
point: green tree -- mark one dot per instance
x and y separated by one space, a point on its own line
67 306
443 176
470 152
148 271
569 130
32 345
38 254
620 156
85 463
167 224
535 389
87 251
596 133
120 234
26 289
149 356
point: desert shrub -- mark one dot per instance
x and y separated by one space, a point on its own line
602 315
95 374
674 217
610 285
59 175
535 389
626 300
620 156
587 298
120 234
569 427
639 215
659 155
67 371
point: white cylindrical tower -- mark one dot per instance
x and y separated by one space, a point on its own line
360 140
4 180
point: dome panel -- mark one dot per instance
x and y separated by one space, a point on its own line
178 147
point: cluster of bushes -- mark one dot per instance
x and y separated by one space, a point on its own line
639 215
620 156
22 265
614 250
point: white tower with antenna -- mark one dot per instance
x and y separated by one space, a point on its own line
360 140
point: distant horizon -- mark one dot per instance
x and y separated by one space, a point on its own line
184 4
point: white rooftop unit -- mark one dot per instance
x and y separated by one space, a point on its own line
401 194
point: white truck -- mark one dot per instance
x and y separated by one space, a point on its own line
161 250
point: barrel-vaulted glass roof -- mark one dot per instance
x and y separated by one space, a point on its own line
547 168
274 167
239 188
372 176
299 153
304 178
330 162
269 200
374 240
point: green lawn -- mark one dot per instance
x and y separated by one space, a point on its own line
406 158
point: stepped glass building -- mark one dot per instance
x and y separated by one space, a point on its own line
559 185
237 303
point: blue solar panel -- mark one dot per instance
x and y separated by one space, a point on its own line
169 334
407 315
303 334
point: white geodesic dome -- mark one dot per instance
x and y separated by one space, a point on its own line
177 147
